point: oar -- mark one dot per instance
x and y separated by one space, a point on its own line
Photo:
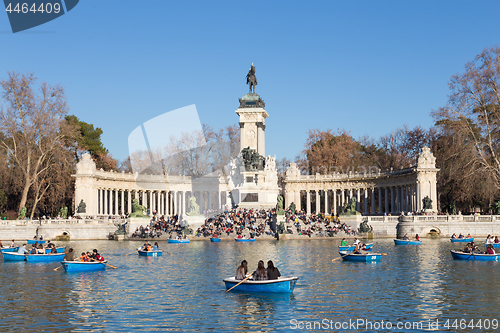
249 276
105 263
134 251
341 256
55 269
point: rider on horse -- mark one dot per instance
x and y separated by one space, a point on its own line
251 79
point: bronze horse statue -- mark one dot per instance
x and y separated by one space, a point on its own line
251 79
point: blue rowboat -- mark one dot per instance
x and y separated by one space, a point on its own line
157 253
10 249
33 241
44 257
406 242
13 256
366 257
59 250
178 240
79 266
245 239
462 240
458 255
495 245
215 240
350 248
281 285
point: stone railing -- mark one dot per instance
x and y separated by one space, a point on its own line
434 218
63 221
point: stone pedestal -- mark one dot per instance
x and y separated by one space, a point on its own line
194 222
351 220
134 223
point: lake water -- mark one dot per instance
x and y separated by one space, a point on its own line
411 286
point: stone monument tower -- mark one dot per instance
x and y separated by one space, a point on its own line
254 177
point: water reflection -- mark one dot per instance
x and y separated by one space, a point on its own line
184 290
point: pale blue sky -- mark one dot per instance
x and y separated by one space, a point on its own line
365 66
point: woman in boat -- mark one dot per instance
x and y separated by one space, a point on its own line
156 247
40 249
69 256
12 244
33 249
260 273
343 242
96 256
417 238
273 273
356 249
496 240
241 271
489 249
53 249
405 237
467 248
363 247
453 236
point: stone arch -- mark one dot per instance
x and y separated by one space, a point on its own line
433 231
64 234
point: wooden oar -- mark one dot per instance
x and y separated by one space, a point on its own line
105 263
55 269
341 256
249 276
134 251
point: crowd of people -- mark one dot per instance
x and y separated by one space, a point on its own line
260 274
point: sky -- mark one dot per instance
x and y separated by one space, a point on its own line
368 67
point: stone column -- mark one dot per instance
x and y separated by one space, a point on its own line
261 140
318 205
176 207
373 200
100 204
106 212
219 201
308 202
297 200
123 202
144 203
386 200
342 193
365 202
183 205
334 195
326 202
209 200
116 201
379 200
393 210
402 199
129 203
358 198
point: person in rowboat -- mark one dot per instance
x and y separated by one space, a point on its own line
460 236
83 257
96 256
12 244
260 273
22 250
417 238
490 249
453 236
40 249
156 247
356 241
53 248
273 273
496 241
343 242
405 237
146 246
69 256
241 271
469 236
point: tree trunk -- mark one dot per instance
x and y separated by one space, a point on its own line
24 196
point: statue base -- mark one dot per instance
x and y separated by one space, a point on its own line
351 220
194 222
135 222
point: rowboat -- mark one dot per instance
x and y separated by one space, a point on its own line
281 285
33 241
10 249
215 240
13 256
44 257
178 240
406 242
366 257
59 250
462 240
349 248
459 255
156 253
245 239
80 266
495 245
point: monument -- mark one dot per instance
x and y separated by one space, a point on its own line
253 179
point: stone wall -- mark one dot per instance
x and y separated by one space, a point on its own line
50 229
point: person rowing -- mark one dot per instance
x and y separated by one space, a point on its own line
69 256
241 271
146 246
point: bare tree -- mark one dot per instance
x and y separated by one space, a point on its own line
473 112
30 122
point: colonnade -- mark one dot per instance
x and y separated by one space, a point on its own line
370 200
118 201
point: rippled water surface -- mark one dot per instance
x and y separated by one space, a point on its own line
184 290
